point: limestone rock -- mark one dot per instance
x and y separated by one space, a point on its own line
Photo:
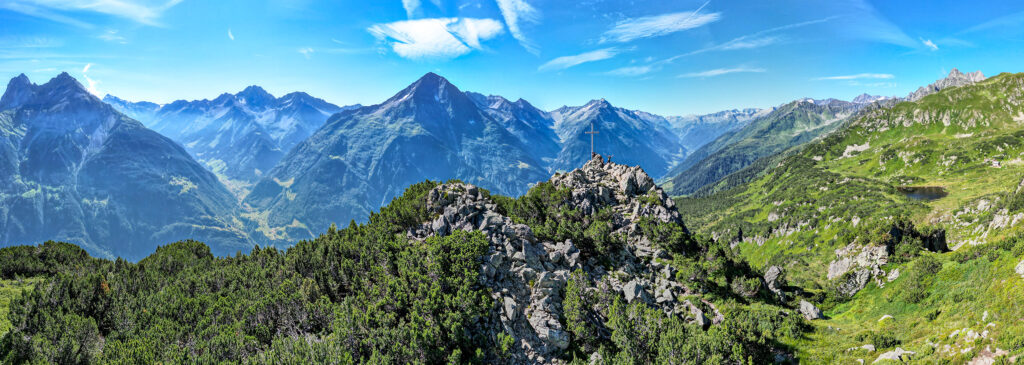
809 311
527 276
772 279
898 354
1020 269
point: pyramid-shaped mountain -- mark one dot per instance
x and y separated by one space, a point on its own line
361 159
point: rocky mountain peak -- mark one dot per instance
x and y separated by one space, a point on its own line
431 88
527 275
866 98
19 90
954 79
256 96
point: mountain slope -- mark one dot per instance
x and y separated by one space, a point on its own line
533 127
789 125
630 137
695 131
853 217
240 136
75 169
361 159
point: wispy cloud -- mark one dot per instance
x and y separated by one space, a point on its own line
29 42
230 35
1007 22
565 62
414 8
112 36
631 71
857 76
658 25
515 12
142 11
306 52
436 38
721 71
91 84
928 43
758 39
864 22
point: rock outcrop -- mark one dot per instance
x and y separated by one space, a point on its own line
855 266
1020 269
809 311
773 280
899 355
954 79
527 276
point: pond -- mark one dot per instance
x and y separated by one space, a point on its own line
923 192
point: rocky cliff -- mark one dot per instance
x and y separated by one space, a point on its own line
527 276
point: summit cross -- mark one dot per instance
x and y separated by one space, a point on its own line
592 132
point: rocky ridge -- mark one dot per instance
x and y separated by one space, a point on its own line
527 276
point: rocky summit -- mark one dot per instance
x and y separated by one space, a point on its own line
527 276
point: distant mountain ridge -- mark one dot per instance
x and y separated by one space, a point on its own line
695 131
630 137
238 136
75 169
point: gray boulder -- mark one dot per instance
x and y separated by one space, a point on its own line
898 354
809 311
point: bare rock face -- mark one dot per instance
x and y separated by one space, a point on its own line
1020 269
772 279
862 264
527 276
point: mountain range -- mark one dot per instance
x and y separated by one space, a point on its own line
238 136
296 164
75 169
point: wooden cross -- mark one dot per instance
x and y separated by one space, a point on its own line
592 132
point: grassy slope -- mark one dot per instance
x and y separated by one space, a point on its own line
805 208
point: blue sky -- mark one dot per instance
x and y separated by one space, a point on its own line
667 57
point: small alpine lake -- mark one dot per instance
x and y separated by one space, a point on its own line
926 193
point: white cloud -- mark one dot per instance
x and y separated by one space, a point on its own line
857 76
112 36
721 71
307 51
436 38
657 25
514 12
928 43
91 84
631 71
565 62
232 36
414 8
142 11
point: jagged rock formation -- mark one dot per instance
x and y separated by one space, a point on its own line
955 78
856 265
527 276
773 280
